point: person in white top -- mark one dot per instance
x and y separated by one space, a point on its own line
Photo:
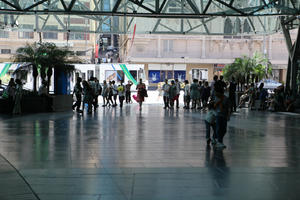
115 93
178 88
187 95
166 92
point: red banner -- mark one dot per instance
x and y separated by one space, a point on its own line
96 51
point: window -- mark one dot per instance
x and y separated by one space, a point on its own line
80 53
78 35
168 45
27 33
200 74
4 34
5 51
50 35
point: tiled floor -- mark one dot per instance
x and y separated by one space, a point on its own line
149 155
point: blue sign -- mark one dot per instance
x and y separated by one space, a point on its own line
180 75
154 76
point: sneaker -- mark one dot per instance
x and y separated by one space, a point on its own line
208 141
220 145
213 141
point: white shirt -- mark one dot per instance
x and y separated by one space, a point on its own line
187 91
166 89
115 89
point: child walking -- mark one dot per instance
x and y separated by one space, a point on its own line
210 122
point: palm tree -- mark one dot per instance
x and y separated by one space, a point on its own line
247 69
261 67
28 54
44 57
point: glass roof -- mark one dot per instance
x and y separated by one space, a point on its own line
213 17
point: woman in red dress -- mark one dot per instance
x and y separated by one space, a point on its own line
141 89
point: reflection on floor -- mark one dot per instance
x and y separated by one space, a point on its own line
154 154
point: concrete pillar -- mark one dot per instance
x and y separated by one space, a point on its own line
159 47
203 47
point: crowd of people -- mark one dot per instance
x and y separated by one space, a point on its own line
14 92
199 95
87 92
259 98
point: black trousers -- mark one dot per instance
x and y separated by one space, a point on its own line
128 96
78 102
166 101
121 99
232 102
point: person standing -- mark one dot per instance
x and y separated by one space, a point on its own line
178 88
78 94
11 90
222 114
172 94
187 95
205 95
18 97
141 93
128 92
212 87
263 94
104 93
232 96
166 90
195 94
200 95
98 91
115 93
121 92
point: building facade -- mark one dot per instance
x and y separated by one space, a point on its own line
201 57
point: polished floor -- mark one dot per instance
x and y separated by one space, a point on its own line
154 154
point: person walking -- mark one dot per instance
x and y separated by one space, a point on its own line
187 95
178 88
210 122
78 94
195 94
87 96
232 96
166 90
109 100
222 114
97 92
121 92
141 93
104 92
18 97
128 92
173 94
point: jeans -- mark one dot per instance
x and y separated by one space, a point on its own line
78 102
221 126
208 125
128 96
166 101
121 99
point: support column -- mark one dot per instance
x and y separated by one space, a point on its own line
203 47
293 50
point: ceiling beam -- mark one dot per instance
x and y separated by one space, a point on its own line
11 5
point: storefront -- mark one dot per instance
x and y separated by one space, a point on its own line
159 72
